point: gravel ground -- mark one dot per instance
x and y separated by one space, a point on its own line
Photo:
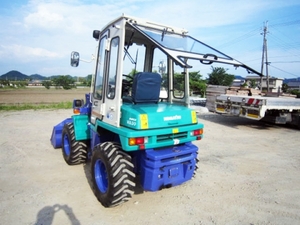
248 174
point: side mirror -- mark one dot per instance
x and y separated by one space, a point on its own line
96 34
75 57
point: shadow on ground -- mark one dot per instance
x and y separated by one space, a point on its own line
46 215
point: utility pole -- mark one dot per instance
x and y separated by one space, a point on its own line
265 54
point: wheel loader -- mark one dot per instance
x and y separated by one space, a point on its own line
135 127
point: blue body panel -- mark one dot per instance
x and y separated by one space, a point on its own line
57 132
167 167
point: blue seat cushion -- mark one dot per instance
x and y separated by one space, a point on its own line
146 87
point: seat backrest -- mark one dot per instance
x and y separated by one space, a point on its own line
146 87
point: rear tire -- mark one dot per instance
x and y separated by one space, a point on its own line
196 166
74 152
112 174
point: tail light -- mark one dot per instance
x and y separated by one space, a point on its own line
76 110
77 104
140 141
197 133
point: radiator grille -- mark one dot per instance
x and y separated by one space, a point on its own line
168 137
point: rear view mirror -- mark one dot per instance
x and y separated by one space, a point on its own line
96 34
75 57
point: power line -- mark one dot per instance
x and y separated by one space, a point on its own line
289 23
285 45
288 37
240 38
287 62
284 71
282 56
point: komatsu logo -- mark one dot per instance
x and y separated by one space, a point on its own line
176 117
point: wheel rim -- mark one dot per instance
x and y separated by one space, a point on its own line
101 176
67 149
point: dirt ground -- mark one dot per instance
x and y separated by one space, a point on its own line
248 174
40 95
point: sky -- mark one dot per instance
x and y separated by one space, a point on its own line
38 36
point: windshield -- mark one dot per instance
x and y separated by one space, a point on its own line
179 42
182 47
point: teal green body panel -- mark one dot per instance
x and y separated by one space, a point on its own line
168 125
159 115
81 127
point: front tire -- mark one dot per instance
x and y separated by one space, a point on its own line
74 152
112 174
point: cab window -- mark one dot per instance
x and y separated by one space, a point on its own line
100 70
112 71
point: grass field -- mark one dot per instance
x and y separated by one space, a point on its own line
39 97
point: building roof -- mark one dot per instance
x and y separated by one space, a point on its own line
264 78
294 84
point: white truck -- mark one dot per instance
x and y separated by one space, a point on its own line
278 110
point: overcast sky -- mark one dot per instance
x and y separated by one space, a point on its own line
37 37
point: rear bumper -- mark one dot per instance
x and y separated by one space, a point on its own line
167 167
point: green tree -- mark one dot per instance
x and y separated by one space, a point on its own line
295 92
219 76
197 84
89 80
284 87
252 83
66 82
178 84
133 72
47 84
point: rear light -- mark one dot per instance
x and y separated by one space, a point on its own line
76 110
197 132
138 141
77 104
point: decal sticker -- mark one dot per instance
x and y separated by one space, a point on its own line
144 121
109 116
176 141
169 118
194 117
175 131
131 122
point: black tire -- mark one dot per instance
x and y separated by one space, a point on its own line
74 152
112 174
196 167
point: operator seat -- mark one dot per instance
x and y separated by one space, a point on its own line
146 88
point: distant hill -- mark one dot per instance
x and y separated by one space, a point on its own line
16 75
285 81
37 77
239 77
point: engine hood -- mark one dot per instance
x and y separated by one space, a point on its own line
153 116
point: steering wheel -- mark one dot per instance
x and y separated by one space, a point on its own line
127 76
126 84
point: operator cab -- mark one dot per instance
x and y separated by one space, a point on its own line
140 62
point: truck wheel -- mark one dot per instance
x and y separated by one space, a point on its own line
112 174
74 152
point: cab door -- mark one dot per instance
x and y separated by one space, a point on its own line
113 81
98 107
108 78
